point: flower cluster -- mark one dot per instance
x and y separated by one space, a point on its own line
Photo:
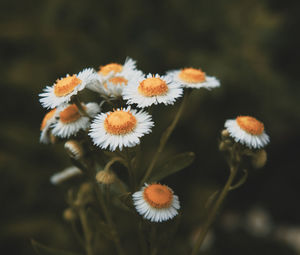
128 94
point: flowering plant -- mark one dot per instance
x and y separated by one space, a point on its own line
106 136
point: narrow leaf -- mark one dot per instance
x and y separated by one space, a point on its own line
44 250
172 165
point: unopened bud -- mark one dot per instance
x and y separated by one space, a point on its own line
74 149
105 177
225 133
259 159
69 214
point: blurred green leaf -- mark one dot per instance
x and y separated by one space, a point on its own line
44 250
172 165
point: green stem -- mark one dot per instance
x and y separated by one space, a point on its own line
132 179
81 110
106 213
214 210
111 162
109 220
165 138
87 233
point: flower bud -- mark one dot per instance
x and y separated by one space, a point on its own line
225 133
259 159
74 149
69 214
106 177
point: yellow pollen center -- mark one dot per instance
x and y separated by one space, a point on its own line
119 122
153 87
192 75
117 80
105 70
47 117
66 85
70 114
158 196
250 125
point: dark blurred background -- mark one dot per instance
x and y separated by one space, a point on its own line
251 46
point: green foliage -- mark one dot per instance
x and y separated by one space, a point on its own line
172 165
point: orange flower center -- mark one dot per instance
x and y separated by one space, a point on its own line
250 125
47 117
70 114
119 122
105 70
117 80
192 75
66 85
153 87
158 196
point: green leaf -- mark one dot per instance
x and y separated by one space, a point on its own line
172 165
44 250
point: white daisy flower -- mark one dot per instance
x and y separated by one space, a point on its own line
247 131
156 202
112 78
48 120
120 128
112 69
65 175
71 121
62 91
193 78
153 89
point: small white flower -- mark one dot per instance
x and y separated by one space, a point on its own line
112 69
65 175
120 128
49 119
156 202
113 77
71 121
193 78
248 131
153 89
61 92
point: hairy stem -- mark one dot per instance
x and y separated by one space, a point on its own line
214 210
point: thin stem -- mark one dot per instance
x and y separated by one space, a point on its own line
109 221
214 210
111 162
87 233
81 110
131 174
141 237
106 213
77 235
165 138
